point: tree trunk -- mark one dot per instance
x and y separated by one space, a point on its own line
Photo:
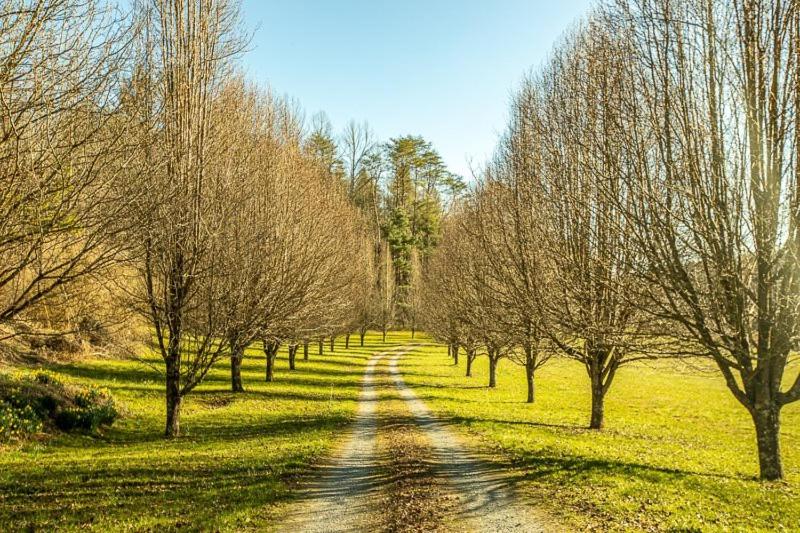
321 346
455 354
333 343
768 425
598 404
347 342
173 428
529 371
271 351
530 368
470 359
270 368
305 351
492 371
237 355
384 335
413 332
362 334
292 355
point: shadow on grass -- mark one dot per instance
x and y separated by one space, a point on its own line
251 371
543 464
137 373
573 428
444 386
573 468
123 376
229 398
224 468
171 481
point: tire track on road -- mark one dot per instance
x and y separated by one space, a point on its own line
485 499
341 495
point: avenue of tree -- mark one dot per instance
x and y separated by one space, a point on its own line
644 201
134 152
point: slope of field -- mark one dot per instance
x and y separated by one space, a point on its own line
678 453
237 458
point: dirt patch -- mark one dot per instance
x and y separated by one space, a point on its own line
414 497
486 497
216 401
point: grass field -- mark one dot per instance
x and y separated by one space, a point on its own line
236 460
678 453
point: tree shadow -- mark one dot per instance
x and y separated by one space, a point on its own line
443 386
463 420
179 485
197 480
536 465
138 373
541 466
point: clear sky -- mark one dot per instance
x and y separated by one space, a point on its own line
443 69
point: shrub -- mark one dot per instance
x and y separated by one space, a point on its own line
16 422
45 378
55 343
93 330
94 408
39 401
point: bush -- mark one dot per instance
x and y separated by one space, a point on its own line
45 378
94 408
39 401
16 422
55 343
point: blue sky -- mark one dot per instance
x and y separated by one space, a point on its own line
443 69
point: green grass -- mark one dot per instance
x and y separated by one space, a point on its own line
235 462
678 452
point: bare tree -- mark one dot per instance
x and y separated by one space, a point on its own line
365 298
460 276
509 239
178 231
571 110
259 157
357 145
716 187
62 145
330 279
440 308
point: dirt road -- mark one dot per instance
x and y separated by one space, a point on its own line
402 469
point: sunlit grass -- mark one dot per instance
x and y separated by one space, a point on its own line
236 459
678 451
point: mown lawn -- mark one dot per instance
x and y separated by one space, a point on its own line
678 452
236 460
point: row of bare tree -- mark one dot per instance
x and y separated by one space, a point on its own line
644 203
133 151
